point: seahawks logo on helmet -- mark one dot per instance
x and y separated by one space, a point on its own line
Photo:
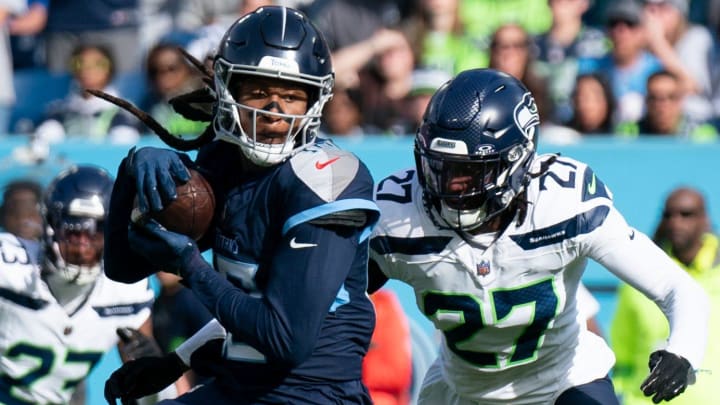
526 116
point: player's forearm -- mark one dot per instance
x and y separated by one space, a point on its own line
122 263
633 257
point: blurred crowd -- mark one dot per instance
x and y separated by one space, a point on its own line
596 67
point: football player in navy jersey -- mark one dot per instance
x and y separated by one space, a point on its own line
292 320
494 239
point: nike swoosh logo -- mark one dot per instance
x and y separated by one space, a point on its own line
300 245
592 186
321 165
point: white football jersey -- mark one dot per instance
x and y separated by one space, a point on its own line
44 348
508 312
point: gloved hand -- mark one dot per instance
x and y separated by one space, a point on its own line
669 375
135 345
143 377
154 171
169 251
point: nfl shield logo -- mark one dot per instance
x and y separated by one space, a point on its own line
483 268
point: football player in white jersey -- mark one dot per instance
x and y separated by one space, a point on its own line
58 312
494 240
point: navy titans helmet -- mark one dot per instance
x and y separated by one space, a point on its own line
275 42
474 147
76 202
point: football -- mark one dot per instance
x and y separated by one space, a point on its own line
191 212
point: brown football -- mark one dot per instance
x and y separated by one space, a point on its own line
192 211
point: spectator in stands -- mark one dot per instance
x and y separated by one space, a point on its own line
440 40
593 105
380 68
635 55
7 90
20 209
112 23
668 27
170 75
342 115
483 17
628 65
347 22
82 115
638 328
510 52
558 50
387 366
664 113
25 28
195 14
424 83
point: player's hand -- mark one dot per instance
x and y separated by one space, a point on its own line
167 250
155 171
143 377
669 375
135 345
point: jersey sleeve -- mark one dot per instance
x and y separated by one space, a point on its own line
129 305
327 186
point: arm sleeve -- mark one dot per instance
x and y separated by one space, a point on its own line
635 259
122 263
301 287
212 330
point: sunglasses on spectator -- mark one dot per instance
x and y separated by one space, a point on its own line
78 63
155 71
630 24
663 97
682 213
509 45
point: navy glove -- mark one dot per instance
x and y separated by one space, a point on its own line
143 377
669 375
170 251
136 345
155 171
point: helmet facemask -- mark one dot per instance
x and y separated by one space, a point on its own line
75 248
302 130
466 192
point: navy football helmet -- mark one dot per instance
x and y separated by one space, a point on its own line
474 147
75 208
275 42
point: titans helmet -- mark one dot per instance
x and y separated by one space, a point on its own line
474 147
75 208
274 42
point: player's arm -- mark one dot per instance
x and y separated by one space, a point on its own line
302 285
156 169
635 259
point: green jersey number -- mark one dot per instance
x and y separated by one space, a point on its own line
46 358
541 295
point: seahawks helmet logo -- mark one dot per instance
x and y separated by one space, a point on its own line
526 116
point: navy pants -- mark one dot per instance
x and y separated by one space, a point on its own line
598 392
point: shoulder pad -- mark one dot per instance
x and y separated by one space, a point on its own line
351 218
325 169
